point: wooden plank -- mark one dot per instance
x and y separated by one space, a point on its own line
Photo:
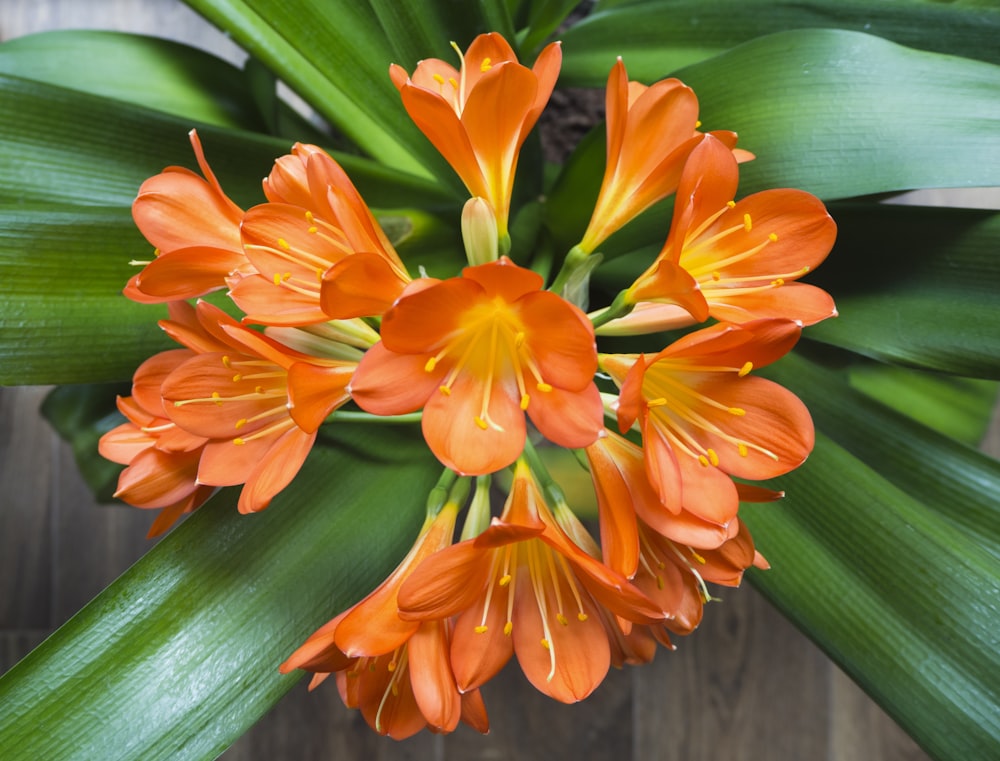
26 445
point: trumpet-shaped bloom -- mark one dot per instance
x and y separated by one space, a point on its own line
704 418
316 250
259 403
478 116
397 672
651 132
735 261
195 228
161 458
477 352
523 586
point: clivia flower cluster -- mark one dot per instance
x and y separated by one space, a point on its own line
498 368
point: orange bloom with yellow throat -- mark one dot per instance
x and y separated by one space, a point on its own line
479 115
477 353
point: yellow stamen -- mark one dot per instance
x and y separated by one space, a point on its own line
444 390
742 449
747 224
716 276
480 629
508 628
745 370
439 79
773 237
430 365
562 619
240 423
703 460
505 580
738 411
581 616
543 387
731 204
713 457
481 423
284 244
485 65
525 400
546 645
226 362
453 82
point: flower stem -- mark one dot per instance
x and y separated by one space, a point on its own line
349 416
618 308
573 261
553 492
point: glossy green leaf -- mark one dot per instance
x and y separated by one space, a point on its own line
338 60
916 286
907 605
956 482
146 71
180 655
957 407
656 37
77 148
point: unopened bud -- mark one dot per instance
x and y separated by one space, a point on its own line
479 232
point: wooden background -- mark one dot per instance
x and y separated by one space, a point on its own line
747 685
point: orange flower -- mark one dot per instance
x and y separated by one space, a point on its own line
259 402
479 116
195 228
317 252
734 261
704 418
651 132
161 458
523 586
478 351
397 672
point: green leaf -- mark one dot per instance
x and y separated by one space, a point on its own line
956 482
336 58
916 286
957 407
147 71
66 147
63 318
656 37
907 605
180 655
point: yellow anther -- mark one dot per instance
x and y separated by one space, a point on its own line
485 65
237 378
226 362
391 666
430 364
283 243
504 580
309 216
562 619
239 442
394 689
773 237
277 278
240 423
742 449
713 457
313 229
439 79
287 276
697 124
508 628
525 400
716 276
703 460
519 339
319 275
480 629
546 645
543 387
778 281
738 411
481 423
731 204
659 581
581 616
747 224
659 402
746 369
217 398
453 82
258 389
697 557
445 390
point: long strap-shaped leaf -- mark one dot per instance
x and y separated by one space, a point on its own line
892 567
657 36
179 656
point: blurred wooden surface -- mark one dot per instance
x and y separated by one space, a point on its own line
746 686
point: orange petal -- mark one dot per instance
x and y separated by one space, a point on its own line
568 418
431 677
446 583
669 282
478 656
265 303
503 279
453 432
361 285
386 383
156 479
803 303
276 471
560 338
314 391
185 273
